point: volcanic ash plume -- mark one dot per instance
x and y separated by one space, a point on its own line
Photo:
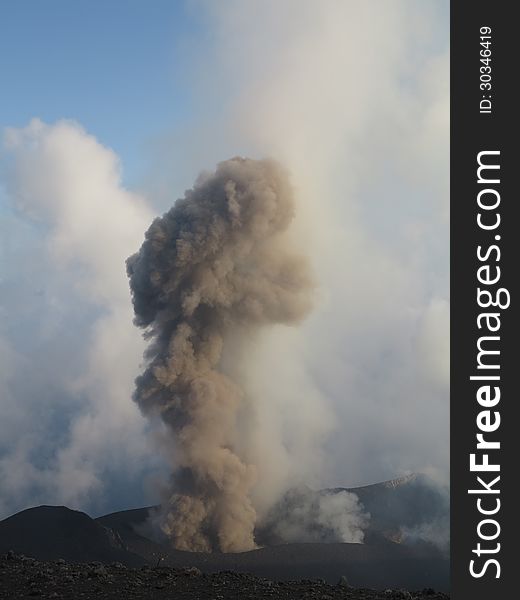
211 271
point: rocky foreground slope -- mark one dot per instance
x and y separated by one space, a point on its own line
23 577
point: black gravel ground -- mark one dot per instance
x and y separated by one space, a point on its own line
23 577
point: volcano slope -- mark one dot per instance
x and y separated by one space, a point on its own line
52 533
395 506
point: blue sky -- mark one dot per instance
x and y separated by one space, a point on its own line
115 67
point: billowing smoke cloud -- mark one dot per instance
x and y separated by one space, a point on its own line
360 117
211 272
303 515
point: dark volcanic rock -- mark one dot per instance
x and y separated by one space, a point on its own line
53 532
21 577
402 504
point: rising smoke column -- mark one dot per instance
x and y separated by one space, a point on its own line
215 268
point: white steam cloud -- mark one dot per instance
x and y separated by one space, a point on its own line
306 516
64 187
359 114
